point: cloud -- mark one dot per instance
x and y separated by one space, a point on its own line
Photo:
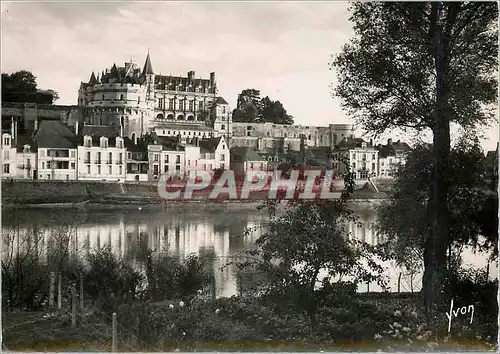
281 48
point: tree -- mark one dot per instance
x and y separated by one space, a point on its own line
422 66
404 220
274 112
55 95
21 86
252 109
248 108
304 239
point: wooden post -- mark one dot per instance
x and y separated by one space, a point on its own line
214 290
52 282
59 291
73 306
368 287
488 271
399 283
81 293
115 334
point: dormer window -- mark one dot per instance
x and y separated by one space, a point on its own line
6 140
104 142
119 143
26 148
88 141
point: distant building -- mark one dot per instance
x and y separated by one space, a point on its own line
27 157
283 137
390 156
57 148
361 156
165 156
137 161
247 159
9 156
101 155
214 153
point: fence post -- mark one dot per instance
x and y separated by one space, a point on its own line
73 306
51 289
81 293
115 335
214 291
368 287
59 291
399 283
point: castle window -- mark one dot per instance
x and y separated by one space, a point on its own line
6 141
222 127
103 97
309 137
191 107
139 99
121 97
170 103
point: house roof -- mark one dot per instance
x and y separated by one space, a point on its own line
96 141
169 143
392 149
209 145
99 130
54 134
350 143
131 147
220 100
248 154
22 140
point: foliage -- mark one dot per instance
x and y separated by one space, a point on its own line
253 109
109 280
404 220
21 86
422 66
387 71
303 239
168 278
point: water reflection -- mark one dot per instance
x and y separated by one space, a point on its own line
180 230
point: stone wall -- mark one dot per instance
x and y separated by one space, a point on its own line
33 192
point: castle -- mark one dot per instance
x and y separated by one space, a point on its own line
136 102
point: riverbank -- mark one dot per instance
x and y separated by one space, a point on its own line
76 194
388 323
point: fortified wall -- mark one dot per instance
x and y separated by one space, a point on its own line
30 114
265 136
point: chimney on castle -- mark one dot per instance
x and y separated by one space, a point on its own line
76 128
190 75
371 142
212 79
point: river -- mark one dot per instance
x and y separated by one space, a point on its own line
184 229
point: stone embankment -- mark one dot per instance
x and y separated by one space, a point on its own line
29 193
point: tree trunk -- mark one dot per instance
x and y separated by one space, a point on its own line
436 245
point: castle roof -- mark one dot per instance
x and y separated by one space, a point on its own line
148 67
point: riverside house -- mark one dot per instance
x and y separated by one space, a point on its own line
57 148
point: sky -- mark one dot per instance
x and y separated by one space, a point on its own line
280 48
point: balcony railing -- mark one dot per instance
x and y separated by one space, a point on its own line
109 162
86 161
98 162
119 162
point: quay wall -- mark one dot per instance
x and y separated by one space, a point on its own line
35 192
41 192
